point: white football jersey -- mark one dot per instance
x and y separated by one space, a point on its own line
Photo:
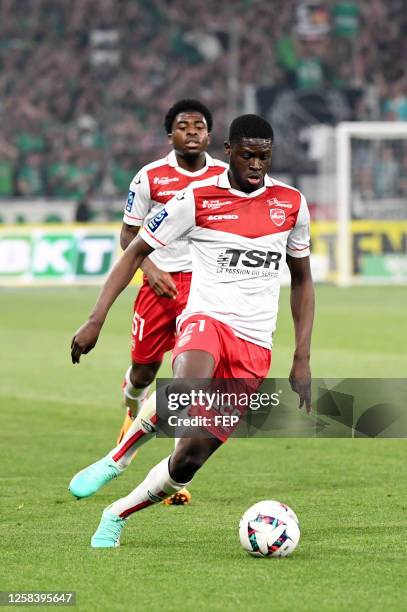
151 189
239 243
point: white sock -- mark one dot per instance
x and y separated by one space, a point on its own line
134 396
157 485
141 431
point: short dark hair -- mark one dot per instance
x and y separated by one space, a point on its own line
183 106
250 126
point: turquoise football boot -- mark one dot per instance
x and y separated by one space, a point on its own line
86 482
107 535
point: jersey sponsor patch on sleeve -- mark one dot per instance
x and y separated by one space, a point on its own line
130 200
158 219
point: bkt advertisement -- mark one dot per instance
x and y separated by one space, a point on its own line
57 255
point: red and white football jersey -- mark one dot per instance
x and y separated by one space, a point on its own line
238 243
152 187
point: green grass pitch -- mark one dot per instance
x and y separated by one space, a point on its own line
55 419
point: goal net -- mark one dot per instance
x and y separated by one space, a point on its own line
358 202
371 202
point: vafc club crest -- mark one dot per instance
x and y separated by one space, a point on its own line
277 217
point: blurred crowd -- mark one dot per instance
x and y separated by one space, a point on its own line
379 172
85 84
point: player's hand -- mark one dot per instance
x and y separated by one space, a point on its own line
84 339
162 283
300 381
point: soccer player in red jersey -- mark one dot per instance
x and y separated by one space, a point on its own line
241 225
166 273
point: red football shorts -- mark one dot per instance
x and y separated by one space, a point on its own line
154 320
234 358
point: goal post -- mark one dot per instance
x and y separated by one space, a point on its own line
371 200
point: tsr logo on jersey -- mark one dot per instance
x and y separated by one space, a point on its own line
231 258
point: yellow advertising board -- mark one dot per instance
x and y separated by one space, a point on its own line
379 249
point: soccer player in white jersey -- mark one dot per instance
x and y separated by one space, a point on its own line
241 225
166 273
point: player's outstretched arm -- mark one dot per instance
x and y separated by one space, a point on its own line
87 335
302 308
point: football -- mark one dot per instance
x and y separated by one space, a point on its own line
269 529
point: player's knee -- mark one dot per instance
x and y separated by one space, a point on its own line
184 465
142 375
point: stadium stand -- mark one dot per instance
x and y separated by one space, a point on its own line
79 77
